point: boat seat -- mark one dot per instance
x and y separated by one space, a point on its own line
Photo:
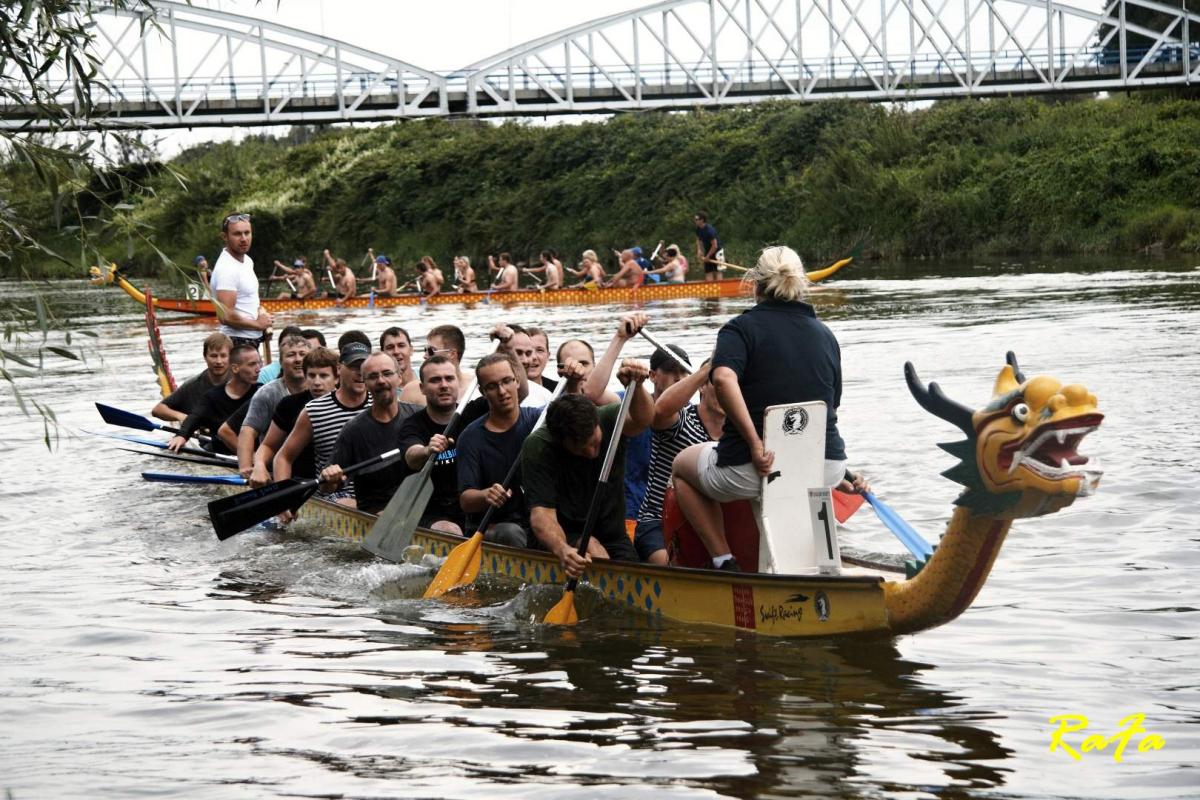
685 548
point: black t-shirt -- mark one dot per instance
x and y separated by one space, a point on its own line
419 429
554 478
484 458
187 398
285 416
549 383
781 353
216 407
364 437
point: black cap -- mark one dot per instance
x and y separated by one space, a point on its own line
355 353
660 359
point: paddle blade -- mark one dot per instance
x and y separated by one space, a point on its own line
460 568
125 419
236 513
182 477
563 612
394 529
845 504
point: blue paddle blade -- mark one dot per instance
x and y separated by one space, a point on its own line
911 540
180 477
125 419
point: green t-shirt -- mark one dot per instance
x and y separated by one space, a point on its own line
553 478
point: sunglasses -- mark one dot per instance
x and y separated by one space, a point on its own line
234 218
435 351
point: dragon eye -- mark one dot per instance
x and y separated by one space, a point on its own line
1020 412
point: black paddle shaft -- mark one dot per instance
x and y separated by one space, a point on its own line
236 513
594 506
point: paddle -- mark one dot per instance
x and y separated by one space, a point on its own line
461 566
238 512
183 477
563 612
196 451
212 462
911 540
393 530
127 419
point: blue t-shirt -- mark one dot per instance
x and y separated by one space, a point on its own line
781 353
270 372
707 235
637 468
484 458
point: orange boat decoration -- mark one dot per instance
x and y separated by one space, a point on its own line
588 295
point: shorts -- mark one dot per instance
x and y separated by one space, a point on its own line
238 341
648 538
728 483
718 256
509 534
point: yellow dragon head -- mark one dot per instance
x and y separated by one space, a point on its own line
103 277
1020 457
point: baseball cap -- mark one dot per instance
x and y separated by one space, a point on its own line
660 359
198 259
382 260
354 353
297 263
637 251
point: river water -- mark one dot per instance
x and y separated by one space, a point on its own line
139 657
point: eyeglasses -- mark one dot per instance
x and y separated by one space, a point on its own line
374 376
432 351
497 385
234 218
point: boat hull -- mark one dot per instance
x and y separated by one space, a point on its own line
773 605
555 297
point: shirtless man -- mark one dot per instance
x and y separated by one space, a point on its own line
464 274
507 277
345 285
553 269
429 279
630 274
385 276
299 279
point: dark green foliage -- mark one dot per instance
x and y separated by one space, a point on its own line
989 177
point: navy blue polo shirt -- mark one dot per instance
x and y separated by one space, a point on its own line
781 353
706 235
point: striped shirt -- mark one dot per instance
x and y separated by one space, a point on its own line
664 446
328 417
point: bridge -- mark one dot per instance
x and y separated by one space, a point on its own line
182 66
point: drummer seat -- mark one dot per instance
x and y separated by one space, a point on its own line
685 548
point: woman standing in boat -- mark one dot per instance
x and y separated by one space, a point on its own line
776 352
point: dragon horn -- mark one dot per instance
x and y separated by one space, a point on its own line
1011 358
934 401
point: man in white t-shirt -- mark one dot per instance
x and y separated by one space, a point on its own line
236 286
516 340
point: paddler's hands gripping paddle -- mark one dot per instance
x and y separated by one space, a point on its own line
393 530
563 612
461 566
238 512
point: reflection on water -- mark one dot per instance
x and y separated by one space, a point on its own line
140 656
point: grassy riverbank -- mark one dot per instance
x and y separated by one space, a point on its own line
975 177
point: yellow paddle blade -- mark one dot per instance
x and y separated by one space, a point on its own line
563 612
591 286
460 568
821 274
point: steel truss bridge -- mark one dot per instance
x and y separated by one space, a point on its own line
184 66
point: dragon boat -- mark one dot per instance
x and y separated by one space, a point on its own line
547 297
1019 458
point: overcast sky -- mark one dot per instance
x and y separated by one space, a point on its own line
439 35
